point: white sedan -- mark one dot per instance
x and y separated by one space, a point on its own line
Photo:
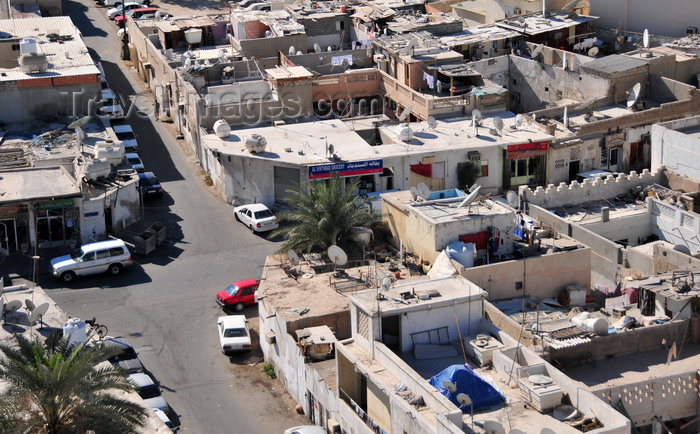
256 216
234 336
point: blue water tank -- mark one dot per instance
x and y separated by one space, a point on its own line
462 252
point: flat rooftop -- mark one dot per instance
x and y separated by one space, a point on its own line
591 212
27 184
536 23
478 35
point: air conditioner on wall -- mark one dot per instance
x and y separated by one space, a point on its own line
691 30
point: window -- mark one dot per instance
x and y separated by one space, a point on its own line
101 254
116 251
89 257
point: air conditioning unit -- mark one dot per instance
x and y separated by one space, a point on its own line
270 337
517 11
379 57
691 30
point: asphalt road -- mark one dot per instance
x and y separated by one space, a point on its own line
165 304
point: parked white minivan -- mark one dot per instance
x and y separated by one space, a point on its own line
103 256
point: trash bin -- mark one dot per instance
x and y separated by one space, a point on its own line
145 243
159 229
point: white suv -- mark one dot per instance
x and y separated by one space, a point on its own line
104 256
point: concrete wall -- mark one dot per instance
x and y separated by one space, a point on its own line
29 100
662 259
541 276
619 14
631 228
674 148
270 47
125 204
674 225
468 317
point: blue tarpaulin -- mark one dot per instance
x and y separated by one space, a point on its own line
482 394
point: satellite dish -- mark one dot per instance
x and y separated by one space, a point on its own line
539 379
13 305
293 257
498 123
79 123
633 95
476 114
337 255
536 52
317 47
423 191
585 105
512 198
299 53
38 312
570 5
414 192
682 248
518 121
450 386
330 48
470 198
331 149
223 57
493 427
438 86
386 284
646 38
464 400
593 51
29 305
432 123
291 50
188 62
404 114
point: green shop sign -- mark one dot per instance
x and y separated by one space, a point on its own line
55 204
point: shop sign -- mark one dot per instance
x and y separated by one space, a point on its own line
91 214
350 168
55 204
615 140
527 150
11 210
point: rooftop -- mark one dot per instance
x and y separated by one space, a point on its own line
536 23
22 185
476 35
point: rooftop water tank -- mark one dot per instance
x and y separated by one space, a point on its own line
404 132
33 63
256 143
222 129
74 329
461 252
113 152
362 234
193 36
96 169
28 45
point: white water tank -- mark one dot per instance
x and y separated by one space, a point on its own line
222 129
33 63
74 329
113 152
193 36
584 321
362 234
256 143
96 169
461 252
404 132
28 45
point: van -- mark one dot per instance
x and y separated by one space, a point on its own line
104 256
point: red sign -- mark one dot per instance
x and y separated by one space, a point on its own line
526 150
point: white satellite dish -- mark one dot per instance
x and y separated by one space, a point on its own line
386 284
539 379
633 95
331 149
291 50
463 399
299 53
223 57
476 114
646 38
536 52
493 427
79 123
337 255
593 51
518 122
317 47
38 313
512 198
404 114
432 123
188 62
585 105
438 86
414 193
29 305
570 5
450 386
293 257
423 191
498 123
470 198
682 248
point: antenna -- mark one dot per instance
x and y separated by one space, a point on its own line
432 123
498 123
291 50
414 193
646 38
423 191
470 198
404 114
593 51
518 122
317 47
450 386
633 95
512 198
337 255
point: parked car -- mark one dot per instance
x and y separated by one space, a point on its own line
238 295
149 391
126 135
116 3
256 216
135 161
305 429
234 336
149 185
122 8
111 105
134 14
127 359
164 418
103 256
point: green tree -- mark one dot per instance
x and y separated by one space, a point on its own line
467 174
58 387
322 214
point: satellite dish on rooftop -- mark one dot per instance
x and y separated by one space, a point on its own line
570 5
518 122
38 313
536 52
593 51
337 255
291 50
293 257
585 105
646 38
450 386
633 95
404 114
470 197
414 192
423 191
512 198
386 284
682 248
498 123
317 47
476 114
13 306
464 400
493 427
223 57
432 123
79 123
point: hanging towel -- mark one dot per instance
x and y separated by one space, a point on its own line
429 79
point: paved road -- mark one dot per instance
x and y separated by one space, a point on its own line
165 303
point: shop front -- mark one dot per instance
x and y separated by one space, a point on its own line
56 223
368 172
14 235
525 164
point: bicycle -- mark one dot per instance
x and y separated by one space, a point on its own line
98 328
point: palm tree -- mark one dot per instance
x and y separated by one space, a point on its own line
58 387
323 214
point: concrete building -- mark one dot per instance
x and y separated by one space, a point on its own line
680 17
58 79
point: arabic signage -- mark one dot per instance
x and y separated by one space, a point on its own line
527 150
55 204
11 210
349 168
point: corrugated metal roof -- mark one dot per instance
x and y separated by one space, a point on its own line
67 56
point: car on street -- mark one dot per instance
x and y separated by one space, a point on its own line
109 256
135 161
305 429
256 216
149 185
110 105
149 391
134 14
234 335
126 135
238 295
123 8
127 359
